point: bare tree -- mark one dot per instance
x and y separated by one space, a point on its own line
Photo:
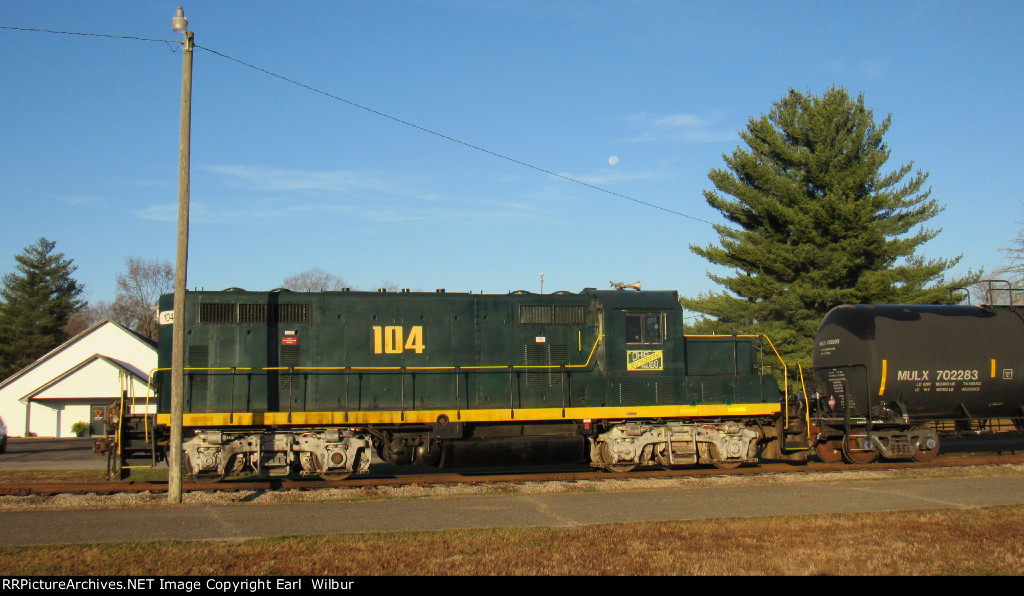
88 316
314 280
138 291
1014 270
1003 285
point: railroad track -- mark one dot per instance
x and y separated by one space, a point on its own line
498 476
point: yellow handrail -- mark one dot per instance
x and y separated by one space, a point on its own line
128 387
785 377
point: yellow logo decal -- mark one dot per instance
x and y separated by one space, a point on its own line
645 360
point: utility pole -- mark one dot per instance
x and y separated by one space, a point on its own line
180 25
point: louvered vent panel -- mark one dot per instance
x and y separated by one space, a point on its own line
558 355
709 393
217 313
568 315
289 356
252 313
535 356
665 393
534 315
293 313
198 357
551 315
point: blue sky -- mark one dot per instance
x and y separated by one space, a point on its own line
285 179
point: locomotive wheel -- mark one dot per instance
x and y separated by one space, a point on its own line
856 455
619 468
830 452
727 465
606 456
923 454
187 472
333 476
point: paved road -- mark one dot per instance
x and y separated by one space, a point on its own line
232 522
227 522
50 454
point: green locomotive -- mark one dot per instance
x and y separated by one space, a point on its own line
284 383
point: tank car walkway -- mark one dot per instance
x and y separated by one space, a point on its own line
234 522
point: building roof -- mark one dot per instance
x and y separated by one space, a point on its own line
63 386
75 341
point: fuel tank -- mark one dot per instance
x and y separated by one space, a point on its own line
922 361
509 451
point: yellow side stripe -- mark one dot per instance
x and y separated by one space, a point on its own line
306 418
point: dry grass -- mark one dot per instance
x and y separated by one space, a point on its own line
51 476
75 475
943 542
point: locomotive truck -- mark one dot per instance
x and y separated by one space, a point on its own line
283 383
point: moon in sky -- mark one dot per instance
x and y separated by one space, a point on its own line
613 160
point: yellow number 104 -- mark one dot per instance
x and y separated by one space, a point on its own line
393 340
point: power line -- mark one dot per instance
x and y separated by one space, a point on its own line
378 113
450 138
131 37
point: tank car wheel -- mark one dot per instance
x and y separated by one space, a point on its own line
924 454
830 452
856 455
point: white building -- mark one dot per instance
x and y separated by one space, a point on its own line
78 381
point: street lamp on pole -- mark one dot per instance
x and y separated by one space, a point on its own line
180 25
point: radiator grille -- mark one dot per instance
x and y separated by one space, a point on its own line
552 315
217 313
252 313
212 313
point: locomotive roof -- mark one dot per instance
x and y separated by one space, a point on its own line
623 299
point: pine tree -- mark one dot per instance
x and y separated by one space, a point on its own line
37 302
818 224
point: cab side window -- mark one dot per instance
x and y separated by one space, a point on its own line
645 328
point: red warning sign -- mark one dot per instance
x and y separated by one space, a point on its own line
289 340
